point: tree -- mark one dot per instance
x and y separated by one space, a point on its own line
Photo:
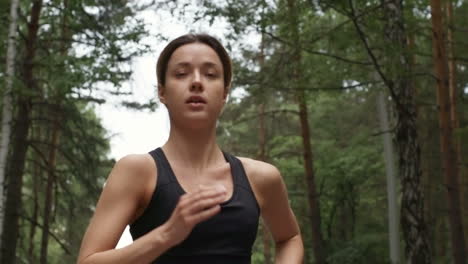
448 149
300 94
19 144
397 80
394 238
105 29
7 106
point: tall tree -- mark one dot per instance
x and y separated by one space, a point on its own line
452 73
105 38
56 112
397 79
393 230
19 144
51 179
262 142
7 111
308 159
448 149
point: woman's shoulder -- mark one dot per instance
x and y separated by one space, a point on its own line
135 164
259 169
133 169
135 176
263 178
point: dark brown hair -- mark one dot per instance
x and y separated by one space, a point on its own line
161 67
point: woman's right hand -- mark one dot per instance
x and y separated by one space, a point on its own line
192 209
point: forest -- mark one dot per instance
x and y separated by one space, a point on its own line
362 106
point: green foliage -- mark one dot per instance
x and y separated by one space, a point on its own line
361 250
341 84
87 61
83 53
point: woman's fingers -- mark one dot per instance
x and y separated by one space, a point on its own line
205 199
194 208
194 204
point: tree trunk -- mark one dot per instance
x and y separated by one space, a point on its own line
37 172
314 204
35 214
261 156
37 177
15 183
50 185
19 144
402 90
300 93
7 111
393 227
452 73
56 112
266 238
448 150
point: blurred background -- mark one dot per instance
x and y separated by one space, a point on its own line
362 105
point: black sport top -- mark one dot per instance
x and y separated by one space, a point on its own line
225 238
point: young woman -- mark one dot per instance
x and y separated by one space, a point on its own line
190 202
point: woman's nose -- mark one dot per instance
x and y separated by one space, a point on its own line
196 81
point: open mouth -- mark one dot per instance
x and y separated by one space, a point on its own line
195 100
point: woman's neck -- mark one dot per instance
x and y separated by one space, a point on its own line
195 149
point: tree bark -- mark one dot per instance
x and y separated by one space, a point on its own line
50 186
7 111
35 214
56 112
266 238
300 94
314 203
412 204
19 144
396 78
452 73
15 183
393 227
262 156
448 149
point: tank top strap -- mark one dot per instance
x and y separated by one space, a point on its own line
165 174
239 176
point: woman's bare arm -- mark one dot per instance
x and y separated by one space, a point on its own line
117 207
121 199
272 197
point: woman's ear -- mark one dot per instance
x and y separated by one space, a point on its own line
162 94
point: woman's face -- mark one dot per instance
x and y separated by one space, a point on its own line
194 90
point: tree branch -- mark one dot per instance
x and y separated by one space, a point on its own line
371 54
362 14
62 244
317 52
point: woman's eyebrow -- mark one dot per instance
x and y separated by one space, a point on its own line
210 64
207 64
182 64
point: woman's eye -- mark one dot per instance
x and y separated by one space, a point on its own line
180 74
